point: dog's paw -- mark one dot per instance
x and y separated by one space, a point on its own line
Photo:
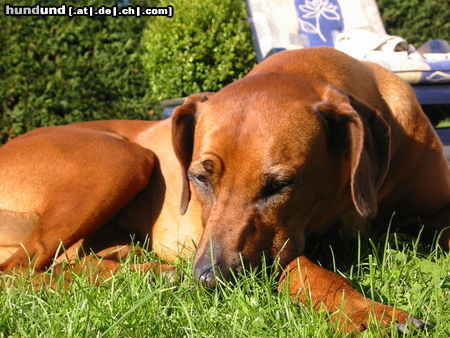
413 323
382 316
173 276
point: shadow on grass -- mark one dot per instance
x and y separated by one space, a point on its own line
371 253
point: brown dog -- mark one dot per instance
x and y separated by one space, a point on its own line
309 138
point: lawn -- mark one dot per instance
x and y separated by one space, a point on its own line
397 271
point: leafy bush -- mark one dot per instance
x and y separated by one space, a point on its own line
416 20
56 70
206 45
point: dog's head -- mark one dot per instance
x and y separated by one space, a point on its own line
272 158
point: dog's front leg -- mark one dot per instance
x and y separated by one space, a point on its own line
99 270
310 283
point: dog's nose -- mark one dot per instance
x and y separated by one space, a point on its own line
207 266
206 271
206 276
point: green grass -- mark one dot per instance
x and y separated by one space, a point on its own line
399 272
444 123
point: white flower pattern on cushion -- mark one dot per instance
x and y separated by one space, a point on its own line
317 9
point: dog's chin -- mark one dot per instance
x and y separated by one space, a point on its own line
209 275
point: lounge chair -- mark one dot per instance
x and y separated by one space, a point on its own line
355 27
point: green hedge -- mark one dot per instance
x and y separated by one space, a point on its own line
206 45
56 70
416 20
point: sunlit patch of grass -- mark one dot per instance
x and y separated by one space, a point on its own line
398 271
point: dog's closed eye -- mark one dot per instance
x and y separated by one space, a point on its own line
275 186
198 178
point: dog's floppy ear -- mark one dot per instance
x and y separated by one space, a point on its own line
183 127
366 136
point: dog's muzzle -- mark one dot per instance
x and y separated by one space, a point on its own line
209 266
